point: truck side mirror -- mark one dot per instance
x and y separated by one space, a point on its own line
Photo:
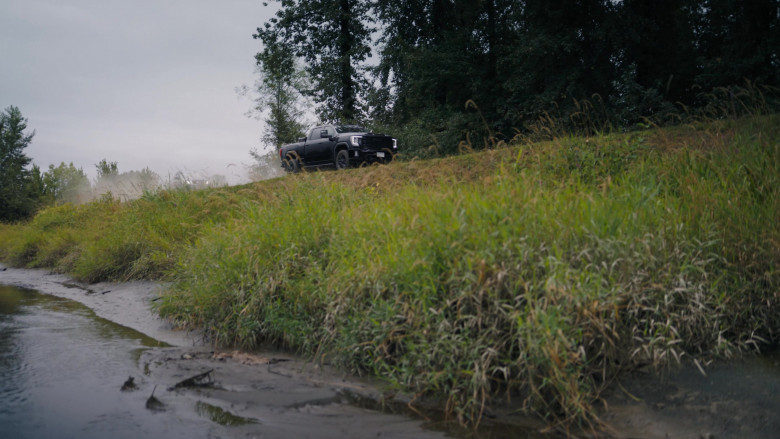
301 139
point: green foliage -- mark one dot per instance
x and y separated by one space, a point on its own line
730 51
109 240
536 271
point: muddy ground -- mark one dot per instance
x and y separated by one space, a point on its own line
730 400
275 394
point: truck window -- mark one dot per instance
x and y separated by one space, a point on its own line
350 129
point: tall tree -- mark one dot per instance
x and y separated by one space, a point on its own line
520 59
66 184
278 94
106 169
437 55
19 193
431 53
107 179
658 43
565 54
333 37
739 40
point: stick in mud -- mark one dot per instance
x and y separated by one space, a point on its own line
154 404
129 385
201 380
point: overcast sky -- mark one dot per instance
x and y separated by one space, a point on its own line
145 83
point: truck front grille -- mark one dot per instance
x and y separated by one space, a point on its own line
377 142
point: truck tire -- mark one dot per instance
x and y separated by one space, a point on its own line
342 159
291 164
388 157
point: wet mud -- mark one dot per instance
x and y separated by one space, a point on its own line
736 399
272 394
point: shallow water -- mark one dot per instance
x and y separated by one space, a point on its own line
61 371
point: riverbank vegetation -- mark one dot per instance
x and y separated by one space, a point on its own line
535 272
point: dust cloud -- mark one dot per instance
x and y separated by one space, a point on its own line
131 185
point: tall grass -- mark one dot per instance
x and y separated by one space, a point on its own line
110 240
541 275
536 273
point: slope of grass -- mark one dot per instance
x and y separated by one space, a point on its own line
537 272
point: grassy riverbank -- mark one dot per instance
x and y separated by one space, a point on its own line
536 272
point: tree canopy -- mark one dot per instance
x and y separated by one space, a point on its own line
519 59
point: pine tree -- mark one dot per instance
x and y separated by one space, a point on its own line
18 190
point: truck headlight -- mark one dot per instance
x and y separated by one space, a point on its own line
355 140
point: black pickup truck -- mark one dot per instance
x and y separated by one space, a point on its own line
338 145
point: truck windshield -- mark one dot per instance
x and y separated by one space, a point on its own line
350 129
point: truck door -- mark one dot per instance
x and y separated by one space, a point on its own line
319 147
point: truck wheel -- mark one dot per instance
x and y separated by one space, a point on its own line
387 158
342 159
291 164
